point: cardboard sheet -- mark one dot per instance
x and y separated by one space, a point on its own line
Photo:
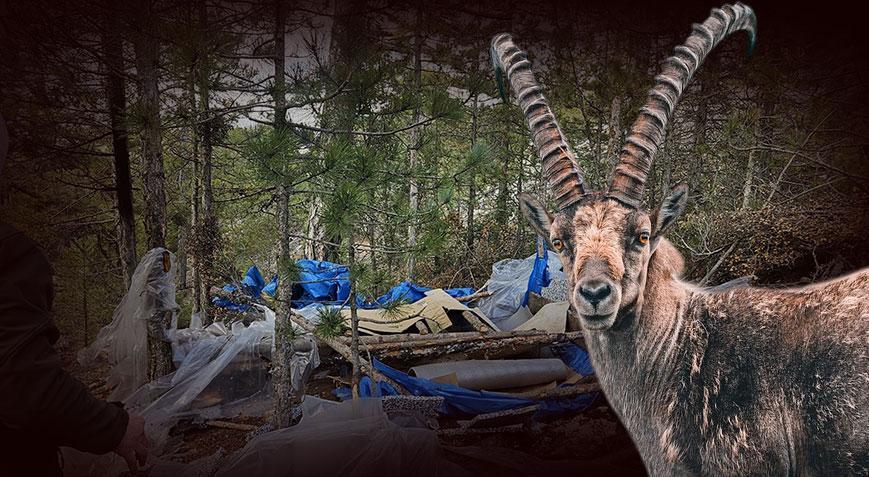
433 309
552 318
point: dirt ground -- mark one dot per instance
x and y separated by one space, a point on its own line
591 441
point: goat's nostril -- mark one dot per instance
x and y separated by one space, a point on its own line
595 291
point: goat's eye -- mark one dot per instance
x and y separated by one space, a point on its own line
557 245
643 238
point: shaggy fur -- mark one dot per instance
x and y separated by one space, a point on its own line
744 381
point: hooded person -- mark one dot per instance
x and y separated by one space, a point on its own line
42 407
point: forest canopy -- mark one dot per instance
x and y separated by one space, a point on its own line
256 133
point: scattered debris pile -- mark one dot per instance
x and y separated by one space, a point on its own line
465 362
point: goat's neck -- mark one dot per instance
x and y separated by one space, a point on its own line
643 347
648 352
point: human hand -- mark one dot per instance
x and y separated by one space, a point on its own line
134 445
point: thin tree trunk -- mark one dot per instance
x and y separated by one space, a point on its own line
85 291
614 131
117 104
195 208
699 139
313 247
749 168
159 348
208 234
281 362
282 359
354 317
472 188
181 256
414 146
147 52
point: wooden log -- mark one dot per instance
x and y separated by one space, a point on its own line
231 425
397 342
474 296
476 322
568 391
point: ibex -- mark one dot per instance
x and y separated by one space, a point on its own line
742 381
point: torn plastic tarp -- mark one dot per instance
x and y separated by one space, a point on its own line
540 276
459 401
320 282
223 374
253 285
509 284
124 341
323 283
410 292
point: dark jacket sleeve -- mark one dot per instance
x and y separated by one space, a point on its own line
37 397
42 399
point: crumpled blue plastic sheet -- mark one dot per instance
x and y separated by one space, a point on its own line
460 402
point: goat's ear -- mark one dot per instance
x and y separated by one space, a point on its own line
671 209
536 214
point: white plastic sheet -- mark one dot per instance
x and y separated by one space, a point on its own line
508 284
124 341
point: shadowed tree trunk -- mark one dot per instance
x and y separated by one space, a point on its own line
207 231
153 182
472 187
413 194
281 361
614 131
117 104
147 50
195 212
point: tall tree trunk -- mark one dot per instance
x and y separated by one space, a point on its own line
181 256
195 204
147 51
282 359
472 187
208 233
699 138
348 51
354 317
281 372
415 133
314 247
749 168
117 105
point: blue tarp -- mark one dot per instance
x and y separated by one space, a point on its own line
410 292
540 277
459 401
321 282
252 284
325 283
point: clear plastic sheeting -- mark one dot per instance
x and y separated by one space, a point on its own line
124 341
508 284
223 374
352 438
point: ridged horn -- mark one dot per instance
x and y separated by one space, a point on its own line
560 169
647 132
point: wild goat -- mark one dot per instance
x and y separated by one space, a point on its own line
745 381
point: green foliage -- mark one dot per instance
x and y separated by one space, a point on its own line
330 323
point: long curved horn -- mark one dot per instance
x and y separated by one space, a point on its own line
647 132
560 168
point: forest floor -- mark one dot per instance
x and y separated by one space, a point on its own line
593 440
